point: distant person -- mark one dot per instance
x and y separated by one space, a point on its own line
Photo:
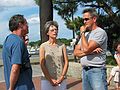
26 39
92 50
53 60
115 72
17 67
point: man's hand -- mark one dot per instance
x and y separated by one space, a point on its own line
83 28
97 50
11 89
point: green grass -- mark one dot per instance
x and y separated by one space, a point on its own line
110 61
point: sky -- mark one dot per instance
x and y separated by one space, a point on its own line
30 11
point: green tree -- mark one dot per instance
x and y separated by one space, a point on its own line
109 11
111 7
66 10
65 41
36 43
74 24
37 2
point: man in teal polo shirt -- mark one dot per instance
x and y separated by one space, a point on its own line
17 68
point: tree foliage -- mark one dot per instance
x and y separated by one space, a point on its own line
37 2
108 10
111 7
38 43
66 10
74 24
65 41
35 43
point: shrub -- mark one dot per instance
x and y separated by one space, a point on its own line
110 60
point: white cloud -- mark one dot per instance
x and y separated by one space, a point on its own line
12 3
34 20
4 31
34 27
34 32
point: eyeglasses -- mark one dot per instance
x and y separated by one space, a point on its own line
86 19
53 30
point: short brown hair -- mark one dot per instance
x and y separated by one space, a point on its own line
116 44
15 21
92 12
48 24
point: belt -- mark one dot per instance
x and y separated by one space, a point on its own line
89 67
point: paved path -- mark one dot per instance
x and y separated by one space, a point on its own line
72 84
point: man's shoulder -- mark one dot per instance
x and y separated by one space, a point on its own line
14 40
14 37
100 30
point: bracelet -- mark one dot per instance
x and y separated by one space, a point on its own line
63 76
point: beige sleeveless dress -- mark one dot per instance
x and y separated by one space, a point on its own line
53 59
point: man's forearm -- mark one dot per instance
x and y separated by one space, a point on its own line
84 42
79 53
13 78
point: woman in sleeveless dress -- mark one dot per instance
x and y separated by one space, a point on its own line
53 60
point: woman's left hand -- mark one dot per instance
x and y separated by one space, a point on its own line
59 80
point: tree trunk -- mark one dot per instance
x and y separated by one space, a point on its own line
46 14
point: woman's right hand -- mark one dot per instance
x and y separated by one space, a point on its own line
53 82
60 79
